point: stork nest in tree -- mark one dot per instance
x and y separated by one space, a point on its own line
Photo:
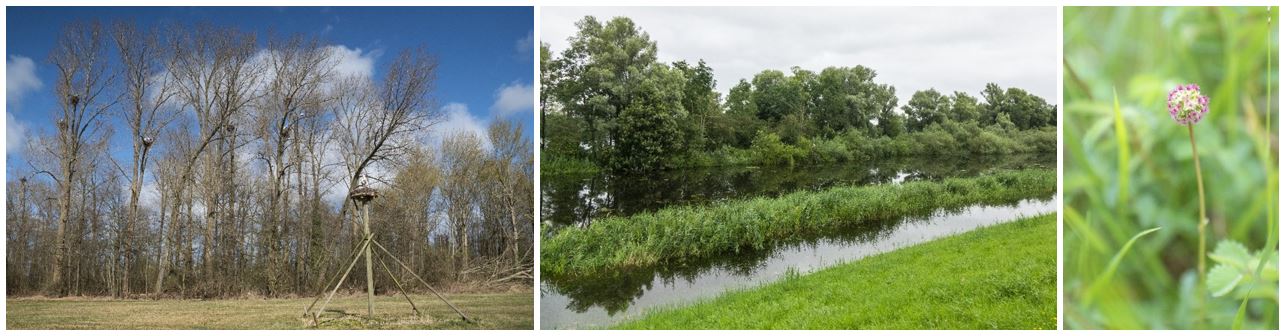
363 194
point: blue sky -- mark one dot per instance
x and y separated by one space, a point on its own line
484 54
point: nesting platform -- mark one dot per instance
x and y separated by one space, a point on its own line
363 194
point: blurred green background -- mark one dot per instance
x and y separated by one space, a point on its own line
1141 53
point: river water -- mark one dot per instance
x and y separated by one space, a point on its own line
571 201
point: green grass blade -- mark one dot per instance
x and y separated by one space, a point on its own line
1112 268
1270 239
1242 311
1123 157
1082 227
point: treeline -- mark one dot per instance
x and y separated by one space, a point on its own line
238 153
607 102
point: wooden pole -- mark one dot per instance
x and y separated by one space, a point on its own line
370 284
337 284
422 281
353 254
400 289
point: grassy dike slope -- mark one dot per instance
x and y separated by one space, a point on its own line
676 234
999 277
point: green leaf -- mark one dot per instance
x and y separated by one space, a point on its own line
1223 279
1233 253
1123 156
1256 275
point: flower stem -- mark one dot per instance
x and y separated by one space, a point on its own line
1202 227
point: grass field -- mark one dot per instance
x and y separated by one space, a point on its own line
491 311
675 234
999 277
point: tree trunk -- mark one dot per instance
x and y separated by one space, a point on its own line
64 217
127 235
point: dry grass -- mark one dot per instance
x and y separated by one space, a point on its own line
490 311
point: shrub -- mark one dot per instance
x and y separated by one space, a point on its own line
767 149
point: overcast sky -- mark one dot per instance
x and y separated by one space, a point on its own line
912 48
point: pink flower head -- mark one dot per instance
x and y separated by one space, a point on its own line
1187 104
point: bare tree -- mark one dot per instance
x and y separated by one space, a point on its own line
315 142
148 96
299 69
510 167
377 123
462 160
215 76
83 78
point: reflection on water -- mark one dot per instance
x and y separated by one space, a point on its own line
568 199
600 302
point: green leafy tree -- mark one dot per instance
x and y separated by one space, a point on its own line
1003 121
548 82
562 136
733 129
597 77
794 128
848 98
776 95
804 84
993 98
650 135
927 107
701 101
741 99
892 124
1024 110
964 107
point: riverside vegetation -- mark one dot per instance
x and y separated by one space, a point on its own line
574 199
601 111
679 233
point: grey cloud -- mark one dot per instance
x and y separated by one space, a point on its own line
912 48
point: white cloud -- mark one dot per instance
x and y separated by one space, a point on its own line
20 79
334 189
15 134
524 45
459 120
515 97
149 194
911 48
353 62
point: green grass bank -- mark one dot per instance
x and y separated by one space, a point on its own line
998 277
691 232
